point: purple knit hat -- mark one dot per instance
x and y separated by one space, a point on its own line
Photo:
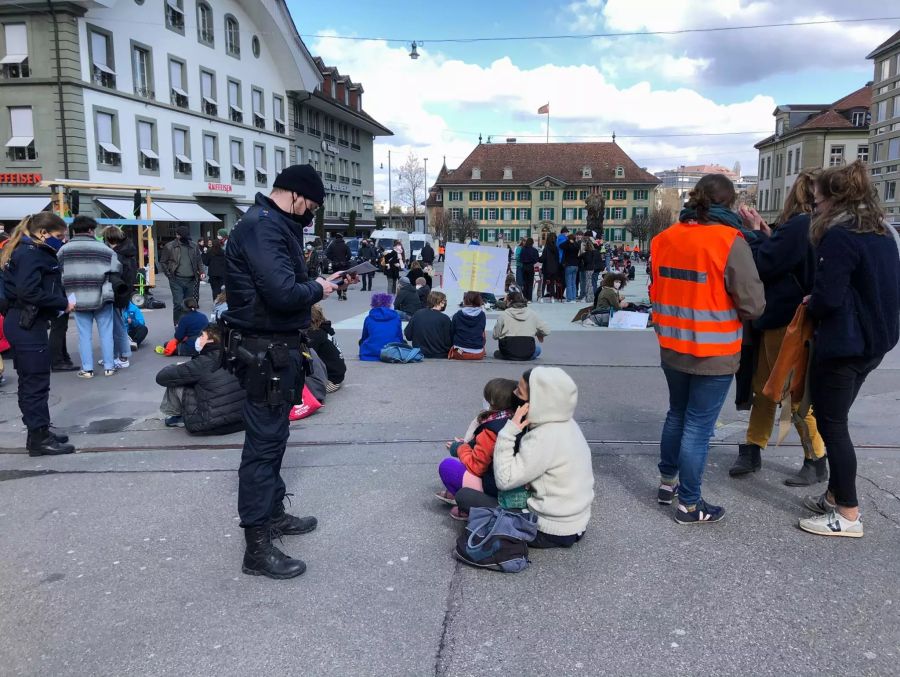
382 300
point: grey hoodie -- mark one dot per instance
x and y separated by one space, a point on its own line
520 322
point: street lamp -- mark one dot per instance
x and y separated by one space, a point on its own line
414 52
426 195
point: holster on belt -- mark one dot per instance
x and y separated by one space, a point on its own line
266 366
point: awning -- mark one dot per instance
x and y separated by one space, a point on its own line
19 142
183 159
179 91
110 147
188 211
210 100
13 58
174 5
212 163
125 209
149 153
238 166
15 208
103 67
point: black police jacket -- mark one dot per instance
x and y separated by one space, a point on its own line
266 281
34 278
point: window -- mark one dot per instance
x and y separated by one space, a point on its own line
455 213
570 195
259 164
776 204
254 46
893 149
455 196
895 109
235 113
508 196
175 16
507 173
278 112
491 214
148 158
21 144
642 194
546 213
620 171
491 196
208 92
205 24
298 155
836 156
15 62
476 173
259 113
142 70
617 212
237 161
312 122
354 138
329 129
211 156
881 111
181 148
569 214
605 194
108 152
523 195
177 83
475 195
862 153
790 160
548 195
297 114
585 172
890 191
314 157
640 211
582 195
885 69
619 194
102 64
280 155
769 167
232 37
762 168
476 213
858 119
524 214
507 214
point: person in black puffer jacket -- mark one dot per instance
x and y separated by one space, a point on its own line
408 301
214 260
200 395
321 339
339 254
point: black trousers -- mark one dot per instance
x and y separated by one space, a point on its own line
137 333
215 286
260 485
59 326
367 280
528 282
32 363
834 385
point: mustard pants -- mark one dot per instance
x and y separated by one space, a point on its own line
762 413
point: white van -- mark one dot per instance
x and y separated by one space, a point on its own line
417 242
384 239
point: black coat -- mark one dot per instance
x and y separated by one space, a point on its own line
432 331
550 266
427 255
570 250
214 260
528 256
391 259
213 399
415 274
34 278
787 267
367 253
321 340
127 255
266 280
593 260
339 254
408 300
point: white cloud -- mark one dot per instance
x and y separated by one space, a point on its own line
425 102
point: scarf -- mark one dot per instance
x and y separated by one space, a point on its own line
721 214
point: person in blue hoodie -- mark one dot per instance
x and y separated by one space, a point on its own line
190 326
468 326
382 326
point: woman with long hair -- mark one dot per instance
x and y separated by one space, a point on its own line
786 264
551 270
856 305
33 285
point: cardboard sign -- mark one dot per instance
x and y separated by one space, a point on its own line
470 267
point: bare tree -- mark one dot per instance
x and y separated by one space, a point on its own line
461 229
640 229
659 220
411 183
440 223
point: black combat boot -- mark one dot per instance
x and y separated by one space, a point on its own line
749 460
812 472
42 443
289 525
60 437
263 559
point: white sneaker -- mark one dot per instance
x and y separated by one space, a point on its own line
832 523
121 364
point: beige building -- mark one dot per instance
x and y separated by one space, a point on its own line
810 136
512 190
884 131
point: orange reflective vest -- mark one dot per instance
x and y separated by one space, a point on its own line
692 310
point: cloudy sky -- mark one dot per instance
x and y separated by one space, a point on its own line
675 99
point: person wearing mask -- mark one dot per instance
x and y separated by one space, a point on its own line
34 293
430 329
126 252
407 303
270 298
786 264
394 262
468 326
705 285
214 260
181 262
201 396
519 330
571 249
86 269
855 303
427 255
551 271
339 254
528 258
367 253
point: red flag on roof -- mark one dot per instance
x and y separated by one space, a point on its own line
544 110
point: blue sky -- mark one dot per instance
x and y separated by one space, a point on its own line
693 84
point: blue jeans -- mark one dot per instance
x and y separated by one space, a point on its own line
537 351
121 340
571 276
582 283
84 321
694 405
182 288
520 278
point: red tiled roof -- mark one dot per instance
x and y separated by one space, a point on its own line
533 161
835 117
861 98
895 38
830 119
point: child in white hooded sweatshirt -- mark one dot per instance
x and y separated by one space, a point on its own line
552 457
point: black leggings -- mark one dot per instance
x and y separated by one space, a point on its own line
834 385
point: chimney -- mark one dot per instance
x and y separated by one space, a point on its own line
510 139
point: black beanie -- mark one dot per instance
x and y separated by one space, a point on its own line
303 180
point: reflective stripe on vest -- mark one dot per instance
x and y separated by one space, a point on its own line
692 310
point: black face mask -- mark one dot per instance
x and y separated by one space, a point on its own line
518 401
305 218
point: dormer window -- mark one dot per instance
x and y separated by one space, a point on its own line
858 119
620 171
476 173
359 101
507 173
585 172
779 127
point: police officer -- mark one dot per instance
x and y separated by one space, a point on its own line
269 300
34 293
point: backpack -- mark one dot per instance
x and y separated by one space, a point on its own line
400 353
497 539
